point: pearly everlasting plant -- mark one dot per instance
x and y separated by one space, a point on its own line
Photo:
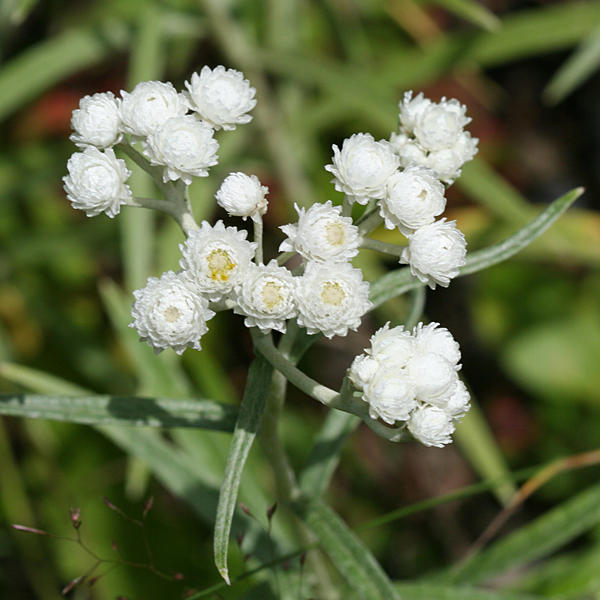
406 384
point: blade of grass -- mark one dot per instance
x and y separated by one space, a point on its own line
472 11
349 555
575 70
127 411
250 414
427 591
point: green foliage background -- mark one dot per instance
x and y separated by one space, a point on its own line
529 328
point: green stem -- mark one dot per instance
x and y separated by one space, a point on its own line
369 221
347 207
417 307
284 257
384 247
258 238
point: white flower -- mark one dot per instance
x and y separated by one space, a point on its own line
96 182
433 338
410 110
216 258
438 125
322 234
457 405
413 198
221 96
97 121
170 313
185 146
390 394
435 253
361 168
362 370
447 163
266 297
395 345
431 425
433 376
242 195
332 298
149 105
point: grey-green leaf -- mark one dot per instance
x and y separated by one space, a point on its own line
428 591
399 281
250 414
349 555
115 410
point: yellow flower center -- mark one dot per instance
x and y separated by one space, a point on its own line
334 232
332 293
220 265
271 295
172 314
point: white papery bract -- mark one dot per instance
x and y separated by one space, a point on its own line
433 376
97 121
185 146
438 125
216 258
221 96
362 370
410 111
458 403
243 196
395 345
149 105
266 297
447 163
362 167
390 394
413 198
434 338
322 234
97 182
431 425
170 313
332 298
435 253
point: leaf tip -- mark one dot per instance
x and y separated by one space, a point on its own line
224 572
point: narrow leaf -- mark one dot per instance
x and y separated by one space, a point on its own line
325 453
250 414
400 281
349 555
115 410
39 381
575 70
545 535
473 11
428 591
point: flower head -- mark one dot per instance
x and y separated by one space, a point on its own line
438 125
216 258
390 394
322 234
97 182
222 97
431 425
185 146
434 338
362 167
332 298
97 121
242 195
149 105
435 253
266 296
413 198
433 376
170 313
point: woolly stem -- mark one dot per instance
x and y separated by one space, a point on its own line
258 238
384 247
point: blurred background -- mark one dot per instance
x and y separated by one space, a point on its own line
529 329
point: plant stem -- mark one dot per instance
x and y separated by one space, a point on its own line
258 238
347 207
369 222
384 247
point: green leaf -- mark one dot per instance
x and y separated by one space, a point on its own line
39 68
535 540
38 381
428 591
325 453
349 555
575 70
400 281
115 410
481 449
473 11
250 414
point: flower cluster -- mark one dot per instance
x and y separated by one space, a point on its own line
412 377
405 376
404 179
154 113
